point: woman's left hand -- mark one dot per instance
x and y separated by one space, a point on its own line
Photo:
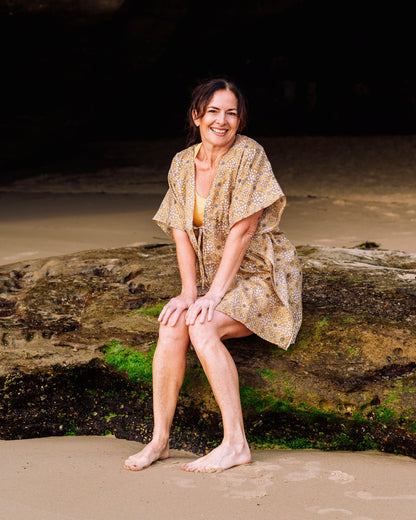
203 309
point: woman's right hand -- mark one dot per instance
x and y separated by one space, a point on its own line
174 308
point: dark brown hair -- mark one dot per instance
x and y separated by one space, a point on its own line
200 98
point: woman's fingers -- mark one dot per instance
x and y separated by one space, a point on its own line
174 317
211 312
168 312
192 313
203 314
189 319
174 308
203 310
165 314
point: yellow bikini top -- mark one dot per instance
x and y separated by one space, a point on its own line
199 201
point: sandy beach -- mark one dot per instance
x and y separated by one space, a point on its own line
81 478
341 192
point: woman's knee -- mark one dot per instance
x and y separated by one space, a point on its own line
174 337
203 335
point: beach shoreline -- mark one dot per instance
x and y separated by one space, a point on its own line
341 192
81 478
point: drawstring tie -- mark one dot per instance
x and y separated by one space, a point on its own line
199 232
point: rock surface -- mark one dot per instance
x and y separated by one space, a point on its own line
349 381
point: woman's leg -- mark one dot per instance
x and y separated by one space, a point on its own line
169 363
222 375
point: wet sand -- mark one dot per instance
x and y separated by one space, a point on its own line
37 225
341 191
81 478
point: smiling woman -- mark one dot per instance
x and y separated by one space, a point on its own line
240 275
219 124
204 94
218 127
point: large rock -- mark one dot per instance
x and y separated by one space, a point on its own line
348 382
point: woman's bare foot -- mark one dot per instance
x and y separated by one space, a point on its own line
224 457
149 454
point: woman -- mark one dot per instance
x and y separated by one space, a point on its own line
240 275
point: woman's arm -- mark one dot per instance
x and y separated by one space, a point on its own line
186 261
235 248
187 268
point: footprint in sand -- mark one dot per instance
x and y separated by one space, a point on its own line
365 495
341 477
249 481
331 510
185 483
311 470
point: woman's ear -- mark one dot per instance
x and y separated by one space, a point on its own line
195 117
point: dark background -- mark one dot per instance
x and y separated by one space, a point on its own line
75 72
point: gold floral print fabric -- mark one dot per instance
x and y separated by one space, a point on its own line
266 292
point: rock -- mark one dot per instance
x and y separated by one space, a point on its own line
349 381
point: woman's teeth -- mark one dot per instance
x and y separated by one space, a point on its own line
220 132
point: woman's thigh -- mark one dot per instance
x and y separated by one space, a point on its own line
221 326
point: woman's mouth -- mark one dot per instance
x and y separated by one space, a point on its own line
218 131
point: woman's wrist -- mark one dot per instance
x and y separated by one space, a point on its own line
189 293
215 293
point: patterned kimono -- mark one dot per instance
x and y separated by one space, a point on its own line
265 294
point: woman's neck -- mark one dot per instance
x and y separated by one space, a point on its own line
211 155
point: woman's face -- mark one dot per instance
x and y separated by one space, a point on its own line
219 125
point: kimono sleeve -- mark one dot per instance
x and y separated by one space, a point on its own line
256 188
171 213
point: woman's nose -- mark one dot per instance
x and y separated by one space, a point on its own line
221 117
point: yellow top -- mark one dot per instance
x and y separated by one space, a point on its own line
199 201
199 209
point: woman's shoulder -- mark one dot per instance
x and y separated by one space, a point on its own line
185 152
182 159
246 143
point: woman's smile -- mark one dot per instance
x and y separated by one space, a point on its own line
219 131
219 124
